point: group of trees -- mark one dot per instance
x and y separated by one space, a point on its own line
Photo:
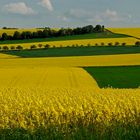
19 47
48 33
46 46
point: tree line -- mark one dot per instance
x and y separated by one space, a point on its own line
48 33
47 46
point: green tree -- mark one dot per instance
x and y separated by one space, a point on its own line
16 35
12 47
5 48
137 44
4 36
46 46
102 44
110 44
40 45
117 43
33 47
124 44
19 47
98 28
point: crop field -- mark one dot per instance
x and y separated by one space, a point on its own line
66 38
135 32
7 56
46 77
67 113
84 42
74 61
88 93
116 77
73 51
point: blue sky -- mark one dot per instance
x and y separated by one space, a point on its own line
69 13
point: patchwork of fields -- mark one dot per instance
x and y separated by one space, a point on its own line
84 42
56 98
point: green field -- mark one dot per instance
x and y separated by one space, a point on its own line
74 37
116 77
74 51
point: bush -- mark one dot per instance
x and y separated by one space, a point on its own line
33 47
5 48
102 44
117 43
88 45
40 45
46 46
110 44
124 44
96 44
137 44
19 47
12 47
77 45
73 45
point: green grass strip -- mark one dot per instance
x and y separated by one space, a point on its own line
116 77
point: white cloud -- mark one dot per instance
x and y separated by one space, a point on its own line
112 15
96 16
18 8
47 4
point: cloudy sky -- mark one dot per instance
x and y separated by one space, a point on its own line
69 13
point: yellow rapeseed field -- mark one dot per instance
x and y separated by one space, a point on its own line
128 31
74 61
48 77
84 42
4 56
31 108
55 95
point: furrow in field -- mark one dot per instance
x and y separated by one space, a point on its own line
58 77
